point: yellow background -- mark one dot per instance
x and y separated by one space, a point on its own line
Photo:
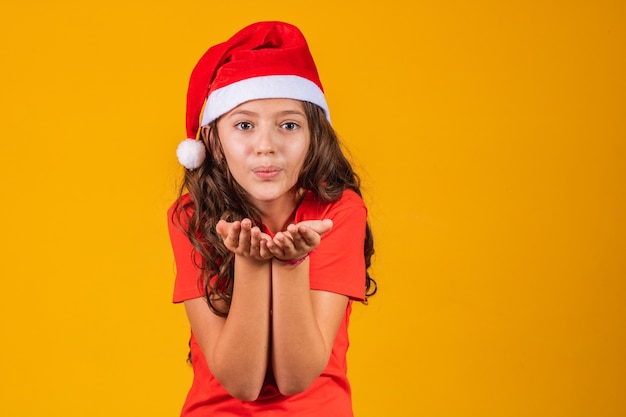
491 139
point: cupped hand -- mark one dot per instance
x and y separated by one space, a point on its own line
243 239
299 239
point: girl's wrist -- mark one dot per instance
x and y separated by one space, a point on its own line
293 262
251 260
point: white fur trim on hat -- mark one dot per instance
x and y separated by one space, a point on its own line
191 153
223 100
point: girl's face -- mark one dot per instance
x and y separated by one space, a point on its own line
265 143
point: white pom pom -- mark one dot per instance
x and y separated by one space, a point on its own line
191 153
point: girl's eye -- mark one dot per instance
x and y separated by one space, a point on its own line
290 126
244 125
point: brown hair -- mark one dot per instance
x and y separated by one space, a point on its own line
216 195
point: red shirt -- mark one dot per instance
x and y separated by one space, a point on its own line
336 265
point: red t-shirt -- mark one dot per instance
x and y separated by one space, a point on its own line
336 265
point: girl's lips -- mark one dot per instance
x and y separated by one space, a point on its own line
266 173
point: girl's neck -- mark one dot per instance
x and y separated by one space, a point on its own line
277 215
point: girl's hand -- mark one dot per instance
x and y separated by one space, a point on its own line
244 240
299 239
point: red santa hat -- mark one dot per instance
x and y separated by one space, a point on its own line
263 60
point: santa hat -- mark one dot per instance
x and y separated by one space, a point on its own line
263 60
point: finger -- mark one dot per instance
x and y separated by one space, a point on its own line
245 237
319 226
284 241
277 245
232 239
264 251
310 239
222 228
276 250
325 226
287 234
297 235
255 240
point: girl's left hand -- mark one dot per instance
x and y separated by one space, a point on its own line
299 239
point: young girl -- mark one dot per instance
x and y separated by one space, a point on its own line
270 237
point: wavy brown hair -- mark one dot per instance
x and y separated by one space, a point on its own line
216 195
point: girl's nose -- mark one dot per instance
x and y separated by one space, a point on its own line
265 142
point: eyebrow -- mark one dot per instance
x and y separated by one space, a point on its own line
244 112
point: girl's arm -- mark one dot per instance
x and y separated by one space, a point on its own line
236 347
304 324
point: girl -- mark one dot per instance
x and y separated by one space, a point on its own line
270 236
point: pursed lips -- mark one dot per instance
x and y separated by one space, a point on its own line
266 172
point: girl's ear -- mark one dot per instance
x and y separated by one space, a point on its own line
206 133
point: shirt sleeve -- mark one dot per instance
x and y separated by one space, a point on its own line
338 264
186 284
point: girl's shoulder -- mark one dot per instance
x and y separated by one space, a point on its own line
351 196
184 201
347 195
183 204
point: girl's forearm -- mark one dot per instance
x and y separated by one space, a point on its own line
299 351
241 351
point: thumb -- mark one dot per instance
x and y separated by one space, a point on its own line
222 228
319 226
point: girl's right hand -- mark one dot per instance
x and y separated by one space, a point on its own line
244 240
